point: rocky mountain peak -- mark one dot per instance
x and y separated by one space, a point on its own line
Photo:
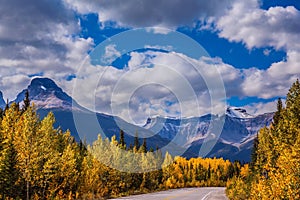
45 93
237 112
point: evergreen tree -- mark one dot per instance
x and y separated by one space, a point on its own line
136 141
143 148
254 153
278 113
26 101
1 113
122 139
130 147
9 173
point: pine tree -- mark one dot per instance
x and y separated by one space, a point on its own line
1 113
254 153
136 141
293 102
151 150
278 113
122 139
26 101
8 164
143 148
9 173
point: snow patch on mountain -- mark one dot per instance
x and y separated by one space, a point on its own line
43 88
45 94
238 131
234 142
237 112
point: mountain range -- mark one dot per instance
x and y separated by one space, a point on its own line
190 137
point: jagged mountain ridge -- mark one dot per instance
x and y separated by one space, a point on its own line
235 141
47 96
236 137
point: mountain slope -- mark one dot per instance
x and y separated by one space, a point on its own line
47 95
178 136
235 141
2 102
84 124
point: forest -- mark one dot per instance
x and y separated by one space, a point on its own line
274 171
38 161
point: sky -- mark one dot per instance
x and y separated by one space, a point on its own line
138 58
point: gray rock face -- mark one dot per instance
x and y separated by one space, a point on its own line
185 135
235 141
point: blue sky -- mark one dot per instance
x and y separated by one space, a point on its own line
248 50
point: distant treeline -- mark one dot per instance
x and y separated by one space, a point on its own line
38 161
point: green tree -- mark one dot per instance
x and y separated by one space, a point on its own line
136 141
26 101
122 140
143 148
278 114
254 153
9 173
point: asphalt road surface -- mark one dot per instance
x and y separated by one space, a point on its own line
210 193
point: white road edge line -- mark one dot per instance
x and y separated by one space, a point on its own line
206 195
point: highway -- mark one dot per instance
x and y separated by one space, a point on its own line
209 193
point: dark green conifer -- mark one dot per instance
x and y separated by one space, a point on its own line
122 138
9 173
136 141
26 101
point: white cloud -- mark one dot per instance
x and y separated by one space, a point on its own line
261 108
170 87
276 27
110 54
37 37
286 69
161 13
274 81
267 52
158 30
12 84
159 47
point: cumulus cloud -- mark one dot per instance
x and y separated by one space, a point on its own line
37 37
274 81
157 83
111 53
261 108
173 84
246 22
166 13
278 28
